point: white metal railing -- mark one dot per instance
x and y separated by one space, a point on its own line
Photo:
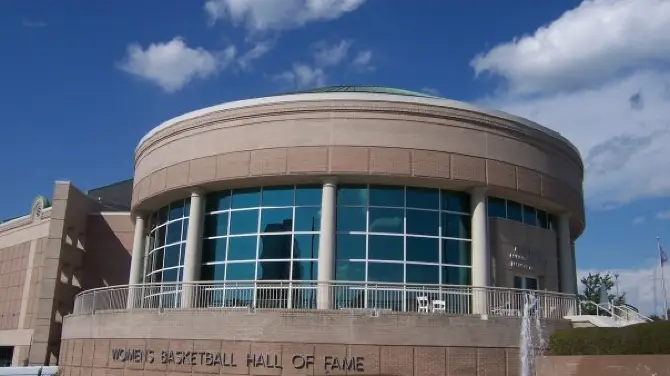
622 315
309 295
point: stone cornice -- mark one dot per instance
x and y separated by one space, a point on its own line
434 114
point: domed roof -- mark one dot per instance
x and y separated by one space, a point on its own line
365 89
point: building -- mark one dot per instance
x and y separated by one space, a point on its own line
343 229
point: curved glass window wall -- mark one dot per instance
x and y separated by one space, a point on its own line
502 208
167 241
257 234
390 234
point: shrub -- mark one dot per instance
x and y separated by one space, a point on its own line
639 339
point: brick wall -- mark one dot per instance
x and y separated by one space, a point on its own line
406 344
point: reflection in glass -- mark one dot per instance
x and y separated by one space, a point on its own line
307 219
306 246
277 220
244 222
267 234
352 195
387 220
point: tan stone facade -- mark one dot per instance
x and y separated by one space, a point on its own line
46 258
406 345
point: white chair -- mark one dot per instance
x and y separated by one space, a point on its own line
422 304
439 306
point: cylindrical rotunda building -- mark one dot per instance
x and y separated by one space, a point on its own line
398 225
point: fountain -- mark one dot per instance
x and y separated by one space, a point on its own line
530 345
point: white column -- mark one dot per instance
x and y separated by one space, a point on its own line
136 262
566 265
481 256
193 252
326 261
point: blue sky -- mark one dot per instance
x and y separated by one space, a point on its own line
81 83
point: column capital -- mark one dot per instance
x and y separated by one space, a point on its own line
329 180
197 191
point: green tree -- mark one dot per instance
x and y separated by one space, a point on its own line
591 292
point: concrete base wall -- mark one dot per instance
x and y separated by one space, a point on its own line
606 365
283 343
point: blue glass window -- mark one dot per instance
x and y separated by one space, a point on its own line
278 196
456 276
351 219
241 271
456 252
350 246
246 198
352 195
218 201
387 220
423 249
242 248
216 225
308 196
386 248
456 226
214 250
423 198
305 270
307 219
387 196
306 246
277 220
386 272
423 222
456 201
424 274
514 211
244 222
529 215
497 208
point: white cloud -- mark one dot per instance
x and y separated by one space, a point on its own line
587 45
262 15
664 215
328 56
173 64
642 286
592 79
259 49
362 61
303 76
639 220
